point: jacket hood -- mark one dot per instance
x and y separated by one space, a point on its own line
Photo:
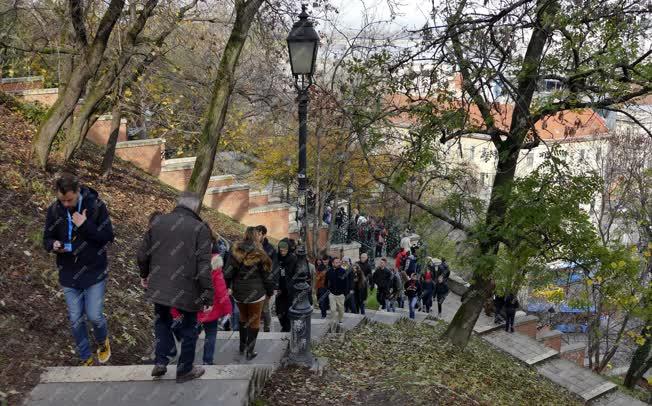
248 254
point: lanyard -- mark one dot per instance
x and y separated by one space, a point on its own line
70 224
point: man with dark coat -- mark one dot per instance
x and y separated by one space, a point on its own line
271 253
286 269
78 229
366 268
382 278
175 266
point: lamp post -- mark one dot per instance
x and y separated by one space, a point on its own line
303 42
349 223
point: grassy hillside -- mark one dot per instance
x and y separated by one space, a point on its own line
407 364
34 328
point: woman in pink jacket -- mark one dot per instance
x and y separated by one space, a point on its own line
221 307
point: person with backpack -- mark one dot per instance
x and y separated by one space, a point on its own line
444 270
511 305
78 230
441 291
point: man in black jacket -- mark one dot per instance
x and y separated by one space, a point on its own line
78 229
286 269
366 268
271 253
339 282
382 278
175 266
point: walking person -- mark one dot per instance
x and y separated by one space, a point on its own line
175 268
427 288
271 253
321 269
441 291
499 305
249 276
359 288
209 321
511 305
382 278
286 269
78 229
365 266
413 292
338 283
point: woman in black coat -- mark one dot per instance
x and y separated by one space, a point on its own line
359 288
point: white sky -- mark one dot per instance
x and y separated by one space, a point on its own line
410 13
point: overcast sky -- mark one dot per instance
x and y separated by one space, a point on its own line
410 13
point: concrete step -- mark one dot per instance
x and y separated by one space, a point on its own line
580 381
382 316
617 399
522 347
133 386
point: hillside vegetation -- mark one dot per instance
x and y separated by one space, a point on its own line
34 328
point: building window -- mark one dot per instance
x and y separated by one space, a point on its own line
530 160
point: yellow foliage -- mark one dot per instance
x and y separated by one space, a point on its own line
551 294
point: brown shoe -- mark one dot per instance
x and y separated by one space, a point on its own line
194 373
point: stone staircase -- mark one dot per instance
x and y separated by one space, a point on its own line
237 200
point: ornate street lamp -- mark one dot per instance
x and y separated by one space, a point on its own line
303 42
349 223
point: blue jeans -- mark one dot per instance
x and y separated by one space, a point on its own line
412 304
389 305
210 329
401 301
187 332
87 302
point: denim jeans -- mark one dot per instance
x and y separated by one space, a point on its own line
412 304
87 302
401 301
187 332
210 329
389 305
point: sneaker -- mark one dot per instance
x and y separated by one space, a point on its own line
194 373
159 370
88 363
104 352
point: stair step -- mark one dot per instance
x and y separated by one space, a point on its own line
581 381
522 347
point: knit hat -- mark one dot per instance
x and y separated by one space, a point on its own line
283 245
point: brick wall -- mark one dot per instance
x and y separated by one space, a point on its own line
574 353
273 216
46 97
18 84
551 339
230 200
221 180
145 154
257 199
100 131
176 172
527 326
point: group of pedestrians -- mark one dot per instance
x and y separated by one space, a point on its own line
196 282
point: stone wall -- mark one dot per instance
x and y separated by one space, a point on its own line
257 199
145 154
574 353
351 250
272 216
22 83
221 180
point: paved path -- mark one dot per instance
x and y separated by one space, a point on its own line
234 381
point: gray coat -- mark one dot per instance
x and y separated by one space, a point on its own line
176 257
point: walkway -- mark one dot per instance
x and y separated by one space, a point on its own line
235 381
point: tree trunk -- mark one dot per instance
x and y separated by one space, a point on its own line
222 89
109 154
642 359
460 329
65 105
612 351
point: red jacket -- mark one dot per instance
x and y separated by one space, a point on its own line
221 300
397 261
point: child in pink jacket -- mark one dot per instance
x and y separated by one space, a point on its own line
221 308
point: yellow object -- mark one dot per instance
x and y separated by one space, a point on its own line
89 362
104 352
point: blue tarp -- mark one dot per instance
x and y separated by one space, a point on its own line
564 308
574 277
572 328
